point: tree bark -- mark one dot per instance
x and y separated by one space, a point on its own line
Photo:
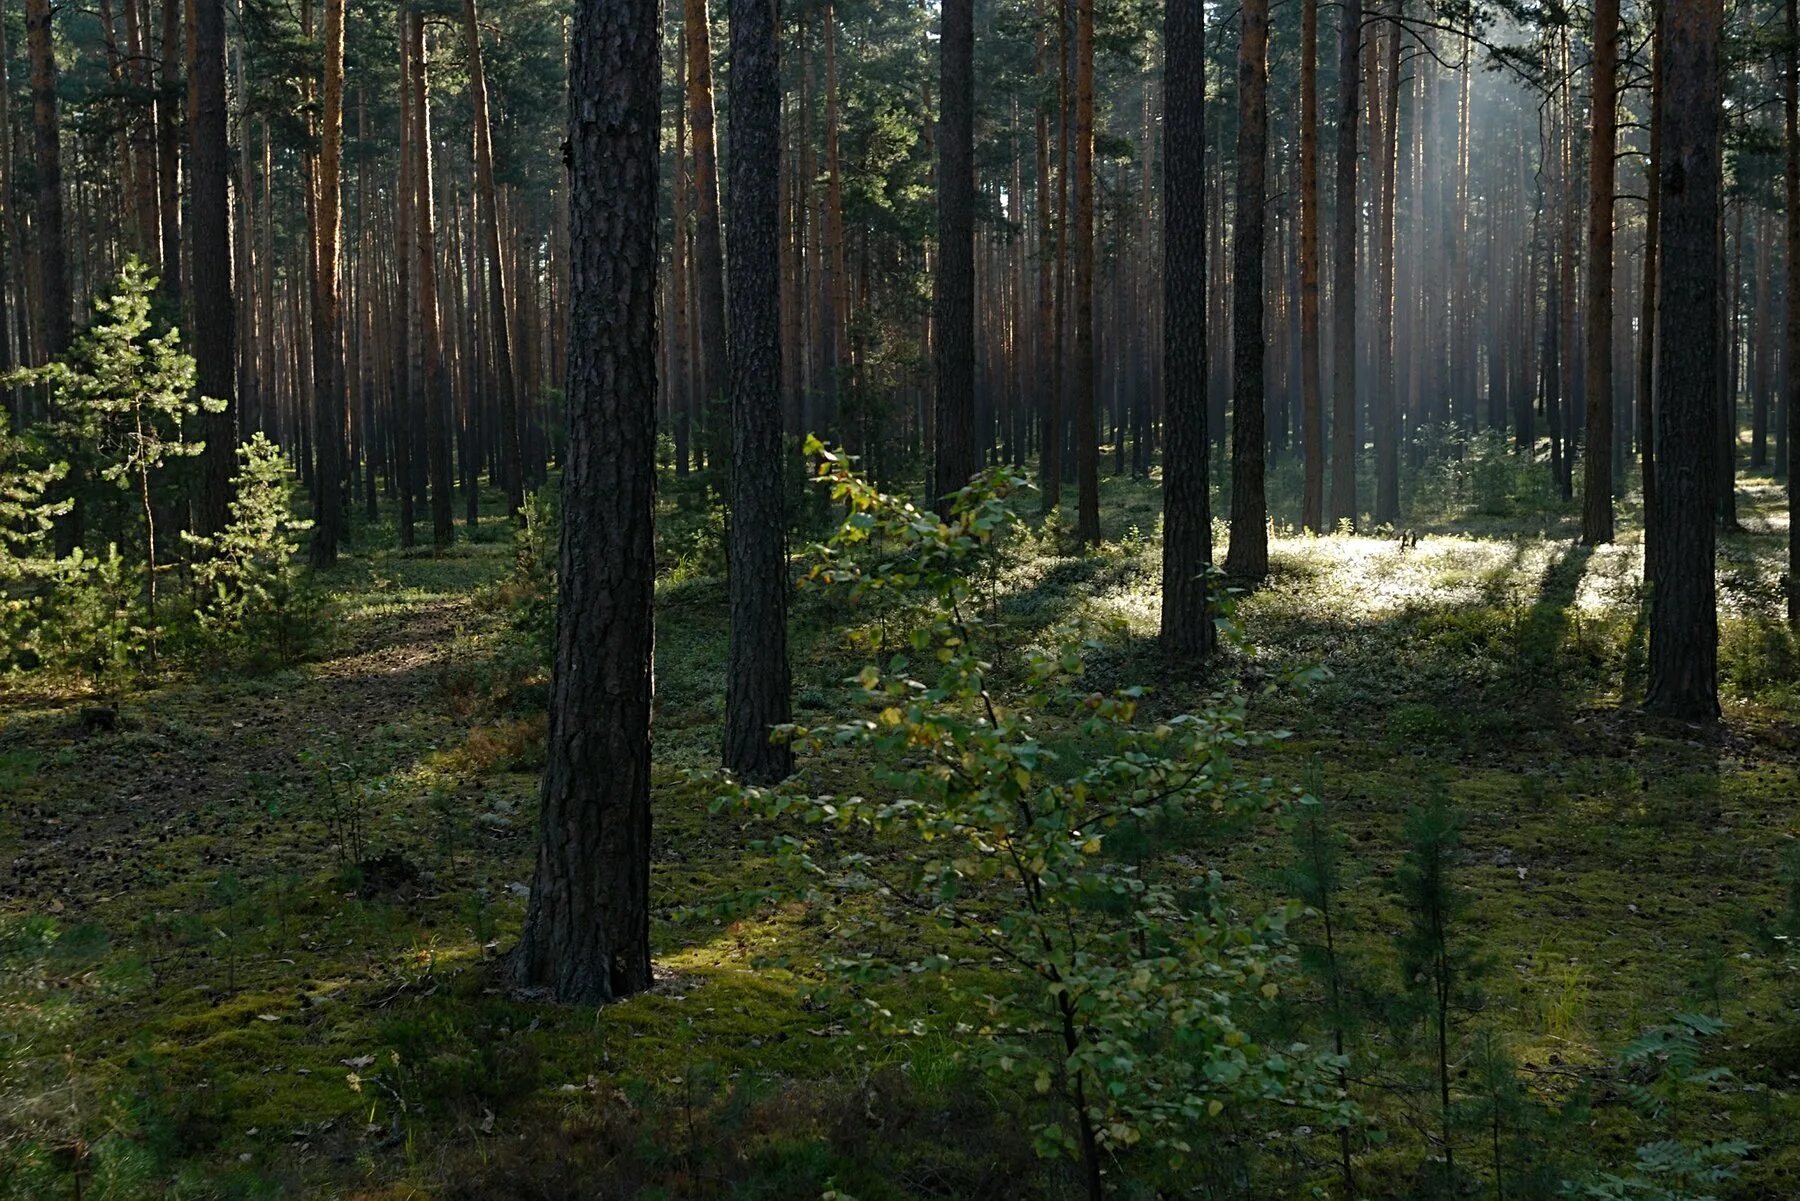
756 684
1247 556
327 330
709 251
1343 277
587 929
1597 484
435 395
953 319
53 267
1387 402
1791 322
512 469
1087 433
215 316
1684 602
1312 413
1187 628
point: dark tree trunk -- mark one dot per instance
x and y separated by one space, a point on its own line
1791 325
1087 432
756 686
1596 504
52 265
327 327
1684 602
1312 413
1187 628
1248 554
587 930
1343 276
709 251
168 149
512 472
215 350
953 319
1647 311
435 382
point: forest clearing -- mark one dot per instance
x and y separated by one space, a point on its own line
867 601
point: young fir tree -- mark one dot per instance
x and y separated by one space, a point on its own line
1440 972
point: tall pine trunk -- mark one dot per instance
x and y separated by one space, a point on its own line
756 683
1343 274
1187 628
709 250
215 317
1247 557
953 319
1312 412
587 930
1087 432
1597 485
327 331
1684 601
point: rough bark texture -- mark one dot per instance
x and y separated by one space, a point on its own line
327 332
1684 602
168 149
1187 628
953 311
756 684
52 266
499 320
1087 432
1343 276
1312 412
1597 485
709 250
587 930
215 316
1248 554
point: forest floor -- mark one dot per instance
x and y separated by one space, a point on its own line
202 994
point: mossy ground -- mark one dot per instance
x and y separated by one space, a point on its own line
205 999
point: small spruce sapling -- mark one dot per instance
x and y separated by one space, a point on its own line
1123 993
1315 878
1439 973
252 590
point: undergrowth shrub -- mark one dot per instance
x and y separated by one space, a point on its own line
254 601
1076 962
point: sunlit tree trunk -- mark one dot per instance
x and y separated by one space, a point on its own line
1087 432
215 352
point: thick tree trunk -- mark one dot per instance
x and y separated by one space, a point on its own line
709 251
1343 278
587 930
215 317
953 319
1684 603
756 684
1187 628
53 270
1247 556
168 148
680 384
